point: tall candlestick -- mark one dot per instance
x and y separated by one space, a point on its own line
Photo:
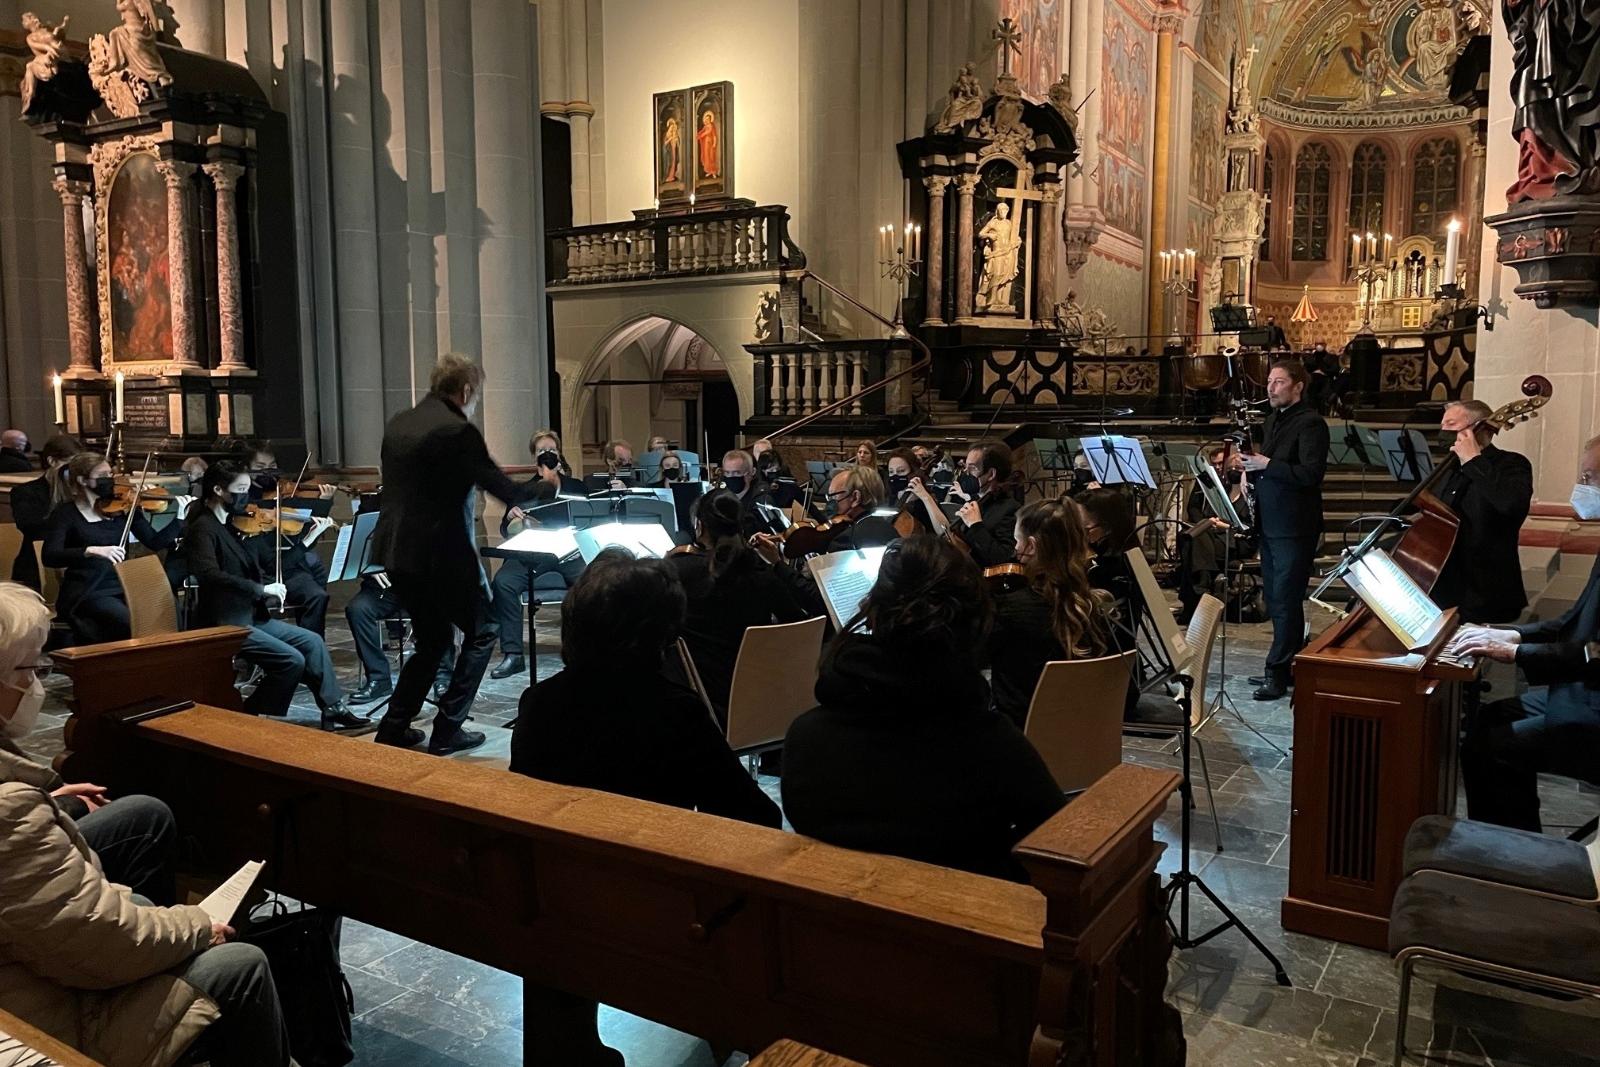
916 242
61 402
1452 251
120 382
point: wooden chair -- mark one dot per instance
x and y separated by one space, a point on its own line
49 577
10 545
773 682
1075 717
152 609
1204 625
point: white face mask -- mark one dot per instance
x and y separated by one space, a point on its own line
1586 501
26 717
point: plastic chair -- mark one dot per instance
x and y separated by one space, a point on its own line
1075 717
152 609
773 682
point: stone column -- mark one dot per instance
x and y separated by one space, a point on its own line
1472 216
1167 27
230 304
80 305
933 258
966 185
1079 189
1044 299
180 234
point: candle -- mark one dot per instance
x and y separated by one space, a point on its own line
1387 242
1166 267
1188 270
1452 251
916 242
121 381
61 401
1372 246
1355 253
908 249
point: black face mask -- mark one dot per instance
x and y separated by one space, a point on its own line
104 488
734 483
261 483
899 483
969 485
238 503
549 460
1447 438
1233 477
768 466
671 474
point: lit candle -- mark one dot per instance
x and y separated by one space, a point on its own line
120 380
1452 251
658 203
1387 242
1166 267
61 401
1355 253
1372 246
916 241
691 201
1188 270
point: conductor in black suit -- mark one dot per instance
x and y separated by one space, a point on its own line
1490 492
1554 727
433 457
1287 472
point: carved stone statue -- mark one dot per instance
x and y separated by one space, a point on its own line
1000 247
1097 324
1061 99
966 102
125 65
1069 317
1557 96
45 43
1238 171
766 317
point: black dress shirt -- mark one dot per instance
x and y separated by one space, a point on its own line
1483 575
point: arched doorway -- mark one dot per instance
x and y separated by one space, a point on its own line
656 376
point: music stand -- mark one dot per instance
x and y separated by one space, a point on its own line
1117 460
644 540
1406 454
351 549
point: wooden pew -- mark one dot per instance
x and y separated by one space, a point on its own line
788 1053
65 1056
737 933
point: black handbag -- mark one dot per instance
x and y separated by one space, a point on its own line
302 946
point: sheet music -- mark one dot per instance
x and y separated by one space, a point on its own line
774 515
225 900
641 538
13 1053
341 549
557 541
1395 599
1117 460
845 579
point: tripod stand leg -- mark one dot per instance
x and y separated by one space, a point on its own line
1234 921
1211 795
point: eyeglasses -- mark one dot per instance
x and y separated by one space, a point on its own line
39 670
1589 477
840 495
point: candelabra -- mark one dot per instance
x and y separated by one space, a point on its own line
901 260
1178 276
1367 266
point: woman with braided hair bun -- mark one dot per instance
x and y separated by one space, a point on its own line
903 681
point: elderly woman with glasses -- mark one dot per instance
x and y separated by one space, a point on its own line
92 951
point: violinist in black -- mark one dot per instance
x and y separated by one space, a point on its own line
304 573
87 545
990 512
1490 492
31 503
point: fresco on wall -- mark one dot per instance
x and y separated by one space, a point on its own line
136 229
1205 145
1039 65
1125 84
1219 33
1122 195
1355 50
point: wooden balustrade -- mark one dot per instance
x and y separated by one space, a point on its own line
739 238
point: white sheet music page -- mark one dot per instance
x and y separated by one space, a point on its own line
643 539
1395 598
845 579
557 541
341 549
227 897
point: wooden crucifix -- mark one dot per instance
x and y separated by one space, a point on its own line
1018 197
1009 36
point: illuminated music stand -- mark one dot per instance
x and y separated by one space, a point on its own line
1117 460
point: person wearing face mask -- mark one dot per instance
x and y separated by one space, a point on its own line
304 573
738 478
1490 491
31 503
1208 543
1286 472
14 453
857 493
671 471
989 514
515 578
93 949
235 591
85 544
1554 726
432 459
906 489
192 469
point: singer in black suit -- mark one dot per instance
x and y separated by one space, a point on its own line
433 457
1554 727
1287 472
1490 492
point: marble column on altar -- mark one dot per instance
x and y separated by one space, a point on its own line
1167 26
179 278
1044 302
966 186
1477 169
80 303
230 304
933 258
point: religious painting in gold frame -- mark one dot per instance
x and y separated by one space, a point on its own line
670 118
136 252
711 144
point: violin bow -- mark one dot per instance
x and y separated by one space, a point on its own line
133 505
277 544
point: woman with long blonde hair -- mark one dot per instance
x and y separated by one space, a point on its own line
1057 614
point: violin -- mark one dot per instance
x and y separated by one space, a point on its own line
1005 577
153 500
260 520
808 537
693 548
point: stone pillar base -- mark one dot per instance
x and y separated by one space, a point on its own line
232 372
81 373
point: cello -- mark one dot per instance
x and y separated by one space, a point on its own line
1424 547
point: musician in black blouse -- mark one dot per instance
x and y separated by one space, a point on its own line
87 545
1490 492
31 503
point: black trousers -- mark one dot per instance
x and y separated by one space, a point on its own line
1511 742
308 595
366 613
435 605
99 617
514 578
1286 564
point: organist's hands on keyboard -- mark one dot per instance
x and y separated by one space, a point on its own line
1496 644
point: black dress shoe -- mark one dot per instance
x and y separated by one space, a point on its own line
372 689
340 719
509 666
1258 679
1273 690
460 741
410 737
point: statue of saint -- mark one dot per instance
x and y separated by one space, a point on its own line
45 42
1069 317
132 45
1000 247
966 102
1556 92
